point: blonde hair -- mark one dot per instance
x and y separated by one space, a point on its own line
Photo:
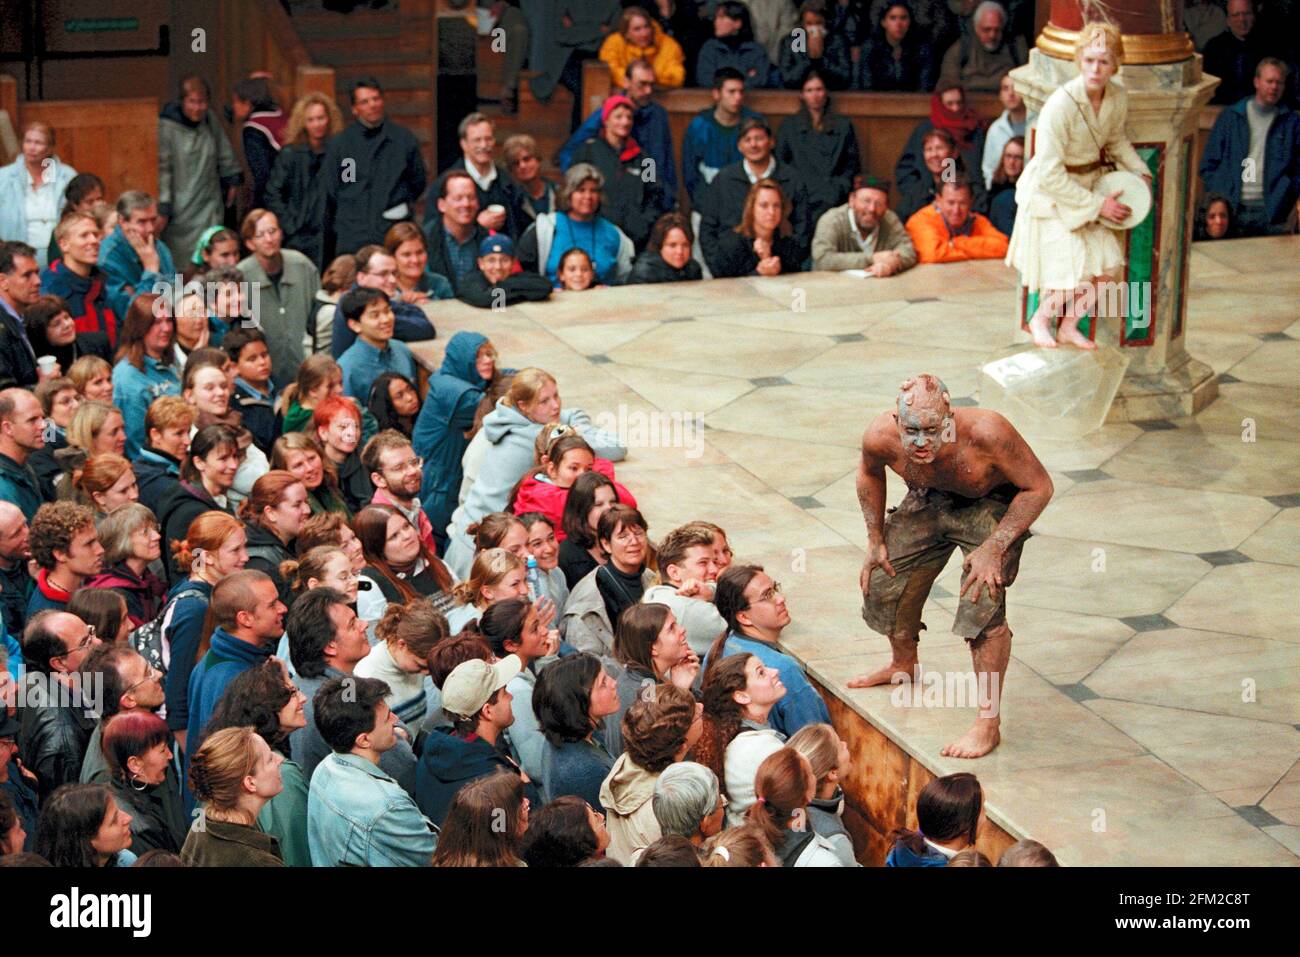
743 846
1102 30
295 131
87 368
526 385
298 571
820 745
218 768
88 421
490 568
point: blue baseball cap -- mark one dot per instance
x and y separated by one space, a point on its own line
500 243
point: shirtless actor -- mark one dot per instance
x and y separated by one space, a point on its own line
972 483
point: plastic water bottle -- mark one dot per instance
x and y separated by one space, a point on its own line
534 579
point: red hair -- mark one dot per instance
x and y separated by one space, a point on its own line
130 736
333 406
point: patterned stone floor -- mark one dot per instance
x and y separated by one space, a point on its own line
1152 711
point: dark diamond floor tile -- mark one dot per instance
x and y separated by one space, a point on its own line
849 337
1156 425
764 381
1229 557
1078 692
1274 336
964 402
1256 815
1227 378
924 299
1148 622
599 359
680 319
806 501
1284 501
1087 475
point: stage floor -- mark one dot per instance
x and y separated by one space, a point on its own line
1152 709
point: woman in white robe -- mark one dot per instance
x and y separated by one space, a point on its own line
1063 236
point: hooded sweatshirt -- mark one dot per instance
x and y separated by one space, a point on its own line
537 493
449 762
629 812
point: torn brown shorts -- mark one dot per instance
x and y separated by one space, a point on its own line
920 534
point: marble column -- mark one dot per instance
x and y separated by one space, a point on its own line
1149 320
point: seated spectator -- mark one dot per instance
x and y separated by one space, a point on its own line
821 145
571 698
272 515
487 819
139 754
590 497
565 833
24 435
948 231
979 58
596 602
357 814
337 424
1010 124
1002 193
524 163
828 756
1258 130
370 317
75 277
812 46
398 566
755 611
265 699
896 57
31 187
132 542
688 802
763 243
295 191
783 786
206 387
661 727
497 282
732 45
286 282
1026 853
339 276
206 476
454 234
727 200
395 474
261 124
545 550
641 38
400 658
951 141
740 846
577 223
949 812
377 271
20 285
495 575
14 579
255 393
218 248
233 775
416 282
739 693
1214 219
82 825
667 256
66 550
689 574
478 703
864 234
104 610
631 198
133 256
146 364
1235 54
319 377
59 401
394 401
56 727
562 456
576 272
19 808
52 332
710 140
498 199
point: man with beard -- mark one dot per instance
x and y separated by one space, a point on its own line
396 473
864 233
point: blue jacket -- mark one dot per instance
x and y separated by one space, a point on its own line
13 653
902 856
359 816
1229 145
18 484
439 433
14 183
125 273
449 762
706 148
362 364
134 391
183 631
227 659
748 57
410 324
801 705
652 133
576 767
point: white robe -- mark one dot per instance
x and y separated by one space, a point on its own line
1058 241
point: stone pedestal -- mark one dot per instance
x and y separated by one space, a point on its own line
1145 315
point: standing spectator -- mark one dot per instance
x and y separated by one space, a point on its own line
218 248
667 256
139 756
84 194
689 575
206 477
1002 194
1204 20
567 832
1252 157
233 775
763 243
828 756
18 787
377 270
1214 219
640 38
400 658
356 813
773 21
508 17
632 197
272 515
374 174
337 424
132 542
295 191
571 698
733 45
31 191
583 26
1234 55
948 231
395 403
498 200
951 141
524 163
1010 124
416 282
398 566
21 434
146 364
896 57
65 547
59 403
261 130
577 224
131 686
133 256
319 377
979 58
688 802
455 235
812 46
198 172
864 234
301 455
14 579
20 286
76 278
395 474
485 824
685 21
285 283
597 601
53 332
104 483
821 146
255 394
339 276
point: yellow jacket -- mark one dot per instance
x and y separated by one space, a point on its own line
664 54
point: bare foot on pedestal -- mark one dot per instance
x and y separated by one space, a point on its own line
982 738
1069 333
1040 329
884 675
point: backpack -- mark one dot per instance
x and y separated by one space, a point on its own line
148 638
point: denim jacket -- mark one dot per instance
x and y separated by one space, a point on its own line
359 816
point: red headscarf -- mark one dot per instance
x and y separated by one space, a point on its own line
962 125
630 147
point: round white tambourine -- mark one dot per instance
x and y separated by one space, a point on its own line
1134 193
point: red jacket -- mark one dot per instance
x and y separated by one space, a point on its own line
540 495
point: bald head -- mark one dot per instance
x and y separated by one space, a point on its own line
924 417
14 534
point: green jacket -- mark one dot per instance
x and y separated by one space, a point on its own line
282 310
196 165
284 817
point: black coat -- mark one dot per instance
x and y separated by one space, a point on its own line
502 192
258 416
439 261
650 267
156 473
724 205
265 553
878 71
295 192
632 202
52 740
521 287
367 172
180 505
827 159
354 483
158 820
736 257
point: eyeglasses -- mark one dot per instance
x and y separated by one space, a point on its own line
770 594
85 643
267 233
151 674
411 465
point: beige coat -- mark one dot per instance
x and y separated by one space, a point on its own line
629 811
836 247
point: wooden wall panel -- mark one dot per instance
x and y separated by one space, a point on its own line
115 139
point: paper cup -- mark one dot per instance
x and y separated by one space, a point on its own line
46 364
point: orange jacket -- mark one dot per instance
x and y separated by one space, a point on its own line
934 245
664 54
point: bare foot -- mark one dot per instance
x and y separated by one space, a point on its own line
1040 329
885 675
1069 333
982 738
